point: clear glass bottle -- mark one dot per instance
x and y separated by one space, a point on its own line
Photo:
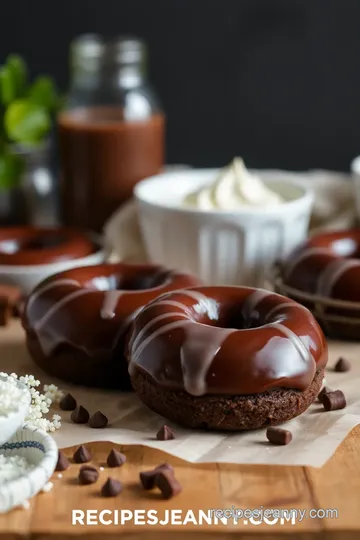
111 133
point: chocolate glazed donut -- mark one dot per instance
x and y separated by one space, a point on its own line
76 321
24 246
324 275
226 358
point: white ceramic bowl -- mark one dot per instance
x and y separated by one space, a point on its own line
228 248
41 451
355 170
27 277
10 423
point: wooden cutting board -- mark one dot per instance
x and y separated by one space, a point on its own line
335 486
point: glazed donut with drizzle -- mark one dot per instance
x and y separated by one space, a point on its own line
26 246
76 322
324 275
226 358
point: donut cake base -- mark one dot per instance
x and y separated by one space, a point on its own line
228 413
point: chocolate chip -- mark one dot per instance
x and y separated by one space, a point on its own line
323 391
67 403
98 420
82 455
62 462
115 458
165 434
278 435
333 401
88 475
167 483
80 415
147 478
111 488
342 365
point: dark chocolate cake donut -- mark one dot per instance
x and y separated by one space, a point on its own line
324 275
76 321
226 358
27 246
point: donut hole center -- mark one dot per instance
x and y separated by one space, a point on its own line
231 315
136 282
14 245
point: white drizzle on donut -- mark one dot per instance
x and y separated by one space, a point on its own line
65 300
282 306
253 300
35 295
332 273
302 256
111 299
295 340
201 345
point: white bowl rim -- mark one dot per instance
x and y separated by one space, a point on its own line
58 265
307 195
47 462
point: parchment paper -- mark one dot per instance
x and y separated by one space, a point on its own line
316 433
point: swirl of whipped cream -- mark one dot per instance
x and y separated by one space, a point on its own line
235 187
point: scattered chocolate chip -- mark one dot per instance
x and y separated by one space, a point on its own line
88 475
165 434
80 415
147 478
62 462
67 403
342 365
278 435
115 458
82 455
98 420
333 401
323 391
167 483
111 488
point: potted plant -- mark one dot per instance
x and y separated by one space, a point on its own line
26 113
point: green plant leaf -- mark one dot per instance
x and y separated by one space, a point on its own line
11 169
7 86
43 92
18 70
26 122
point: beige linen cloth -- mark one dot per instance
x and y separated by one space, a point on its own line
334 208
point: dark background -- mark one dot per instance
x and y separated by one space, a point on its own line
277 82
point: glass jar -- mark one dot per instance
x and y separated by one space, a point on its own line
111 133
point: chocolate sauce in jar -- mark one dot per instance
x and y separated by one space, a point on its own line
111 134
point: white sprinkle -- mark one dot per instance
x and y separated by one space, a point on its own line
12 467
48 487
26 505
101 468
11 396
40 403
59 475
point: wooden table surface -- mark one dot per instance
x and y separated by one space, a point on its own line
335 486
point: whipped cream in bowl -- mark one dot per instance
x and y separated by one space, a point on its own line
226 226
233 188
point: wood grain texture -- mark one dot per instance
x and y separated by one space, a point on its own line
335 486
